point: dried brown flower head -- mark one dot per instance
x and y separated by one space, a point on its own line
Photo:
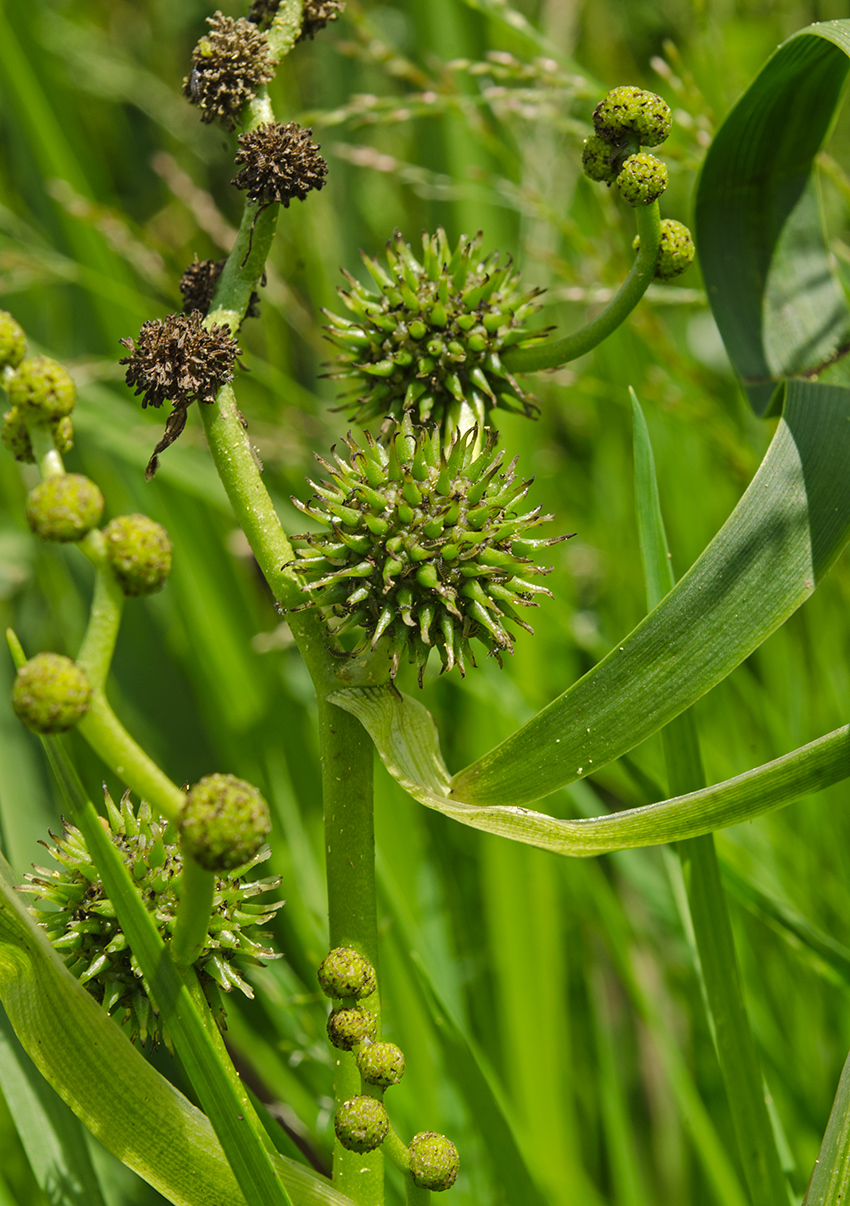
280 163
177 360
317 14
229 64
197 286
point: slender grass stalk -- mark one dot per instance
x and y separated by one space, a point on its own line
712 928
555 352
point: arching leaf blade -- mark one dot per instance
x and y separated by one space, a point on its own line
775 297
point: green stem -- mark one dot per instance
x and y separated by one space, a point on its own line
113 744
414 1195
553 353
396 1151
95 655
197 888
44 450
352 916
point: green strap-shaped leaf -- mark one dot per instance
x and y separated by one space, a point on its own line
774 294
123 1101
830 1181
783 536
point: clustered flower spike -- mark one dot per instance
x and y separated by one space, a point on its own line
280 162
428 343
229 65
627 119
85 930
426 546
178 360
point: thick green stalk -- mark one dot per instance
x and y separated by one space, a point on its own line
107 606
555 352
350 851
197 888
712 929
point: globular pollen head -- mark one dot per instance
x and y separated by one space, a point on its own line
426 547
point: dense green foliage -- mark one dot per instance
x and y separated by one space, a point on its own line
548 1009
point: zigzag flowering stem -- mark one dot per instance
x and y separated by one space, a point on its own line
556 352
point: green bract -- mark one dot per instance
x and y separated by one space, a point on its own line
85 930
223 822
381 1064
434 1161
139 551
43 386
361 1124
64 508
346 973
428 343
13 342
425 546
50 693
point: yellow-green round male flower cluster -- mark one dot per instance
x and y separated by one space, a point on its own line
87 934
223 822
139 551
13 341
16 436
624 121
349 1028
677 251
361 1124
381 1064
50 693
64 508
41 388
346 973
427 546
434 1161
429 341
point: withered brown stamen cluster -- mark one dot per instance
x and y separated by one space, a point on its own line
198 283
177 360
280 163
229 65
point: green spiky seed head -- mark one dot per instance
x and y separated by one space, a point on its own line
434 1161
381 1064
64 508
426 546
346 973
50 693
361 1124
223 822
139 551
16 437
642 179
13 342
348 1028
87 934
631 114
428 343
43 387
597 160
677 251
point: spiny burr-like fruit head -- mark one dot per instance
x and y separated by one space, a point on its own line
83 927
426 546
428 343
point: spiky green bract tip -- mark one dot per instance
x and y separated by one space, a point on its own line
428 342
50 693
361 1124
434 1161
223 822
83 927
427 546
346 973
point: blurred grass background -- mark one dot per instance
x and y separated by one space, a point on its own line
549 1009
